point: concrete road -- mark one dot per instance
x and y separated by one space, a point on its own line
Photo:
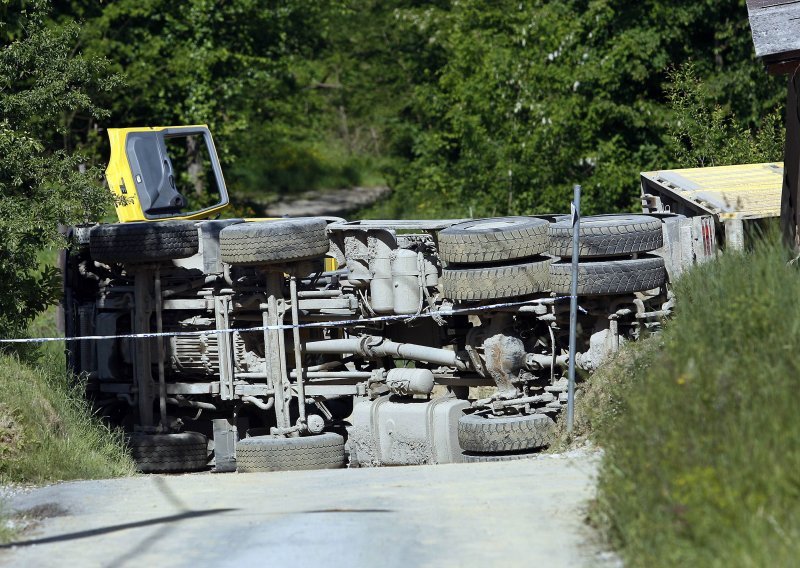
519 513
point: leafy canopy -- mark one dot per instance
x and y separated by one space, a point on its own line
42 80
524 99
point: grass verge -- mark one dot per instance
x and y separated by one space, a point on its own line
699 425
47 432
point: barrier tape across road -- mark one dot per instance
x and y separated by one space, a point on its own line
339 323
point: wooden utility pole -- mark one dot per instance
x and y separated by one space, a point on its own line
791 167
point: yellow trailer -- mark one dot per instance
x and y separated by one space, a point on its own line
737 197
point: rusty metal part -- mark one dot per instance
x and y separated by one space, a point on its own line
505 357
503 353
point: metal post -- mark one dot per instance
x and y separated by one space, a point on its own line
142 361
298 351
162 384
573 305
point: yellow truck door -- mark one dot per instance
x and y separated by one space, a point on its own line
169 172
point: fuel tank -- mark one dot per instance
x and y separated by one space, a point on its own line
395 430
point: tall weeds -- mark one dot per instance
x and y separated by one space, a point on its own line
700 426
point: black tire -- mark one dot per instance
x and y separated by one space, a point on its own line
169 453
269 242
487 435
470 457
496 282
143 242
610 277
607 236
268 453
498 239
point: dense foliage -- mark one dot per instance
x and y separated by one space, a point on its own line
527 98
465 107
48 432
42 185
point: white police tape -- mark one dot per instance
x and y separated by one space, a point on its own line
339 323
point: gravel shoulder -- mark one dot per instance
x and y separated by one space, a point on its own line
516 513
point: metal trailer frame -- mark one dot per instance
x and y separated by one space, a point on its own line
776 39
737 198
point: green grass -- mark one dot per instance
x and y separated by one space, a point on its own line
47 431
700 425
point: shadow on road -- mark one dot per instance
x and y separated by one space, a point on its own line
116 528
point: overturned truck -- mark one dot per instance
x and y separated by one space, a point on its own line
259 345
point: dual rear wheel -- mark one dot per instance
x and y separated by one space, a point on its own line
255 243
493 259
509 257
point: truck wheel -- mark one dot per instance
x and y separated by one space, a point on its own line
269 242
485 435
607 236
496 282
169 453
268 453
472 457
143 242
610 276
493 240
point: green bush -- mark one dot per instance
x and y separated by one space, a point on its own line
699 426
43 182
517 101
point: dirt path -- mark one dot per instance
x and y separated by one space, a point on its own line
517 513
337 203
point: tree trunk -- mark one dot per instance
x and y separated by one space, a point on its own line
194 160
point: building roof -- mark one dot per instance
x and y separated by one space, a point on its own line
775 25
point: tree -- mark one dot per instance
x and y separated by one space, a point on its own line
532 97
42 184
703 133
237 66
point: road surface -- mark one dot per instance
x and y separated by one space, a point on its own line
518 513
